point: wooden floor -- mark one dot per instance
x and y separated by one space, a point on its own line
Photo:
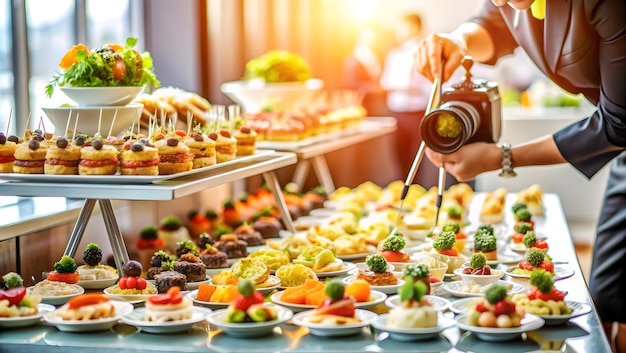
584 258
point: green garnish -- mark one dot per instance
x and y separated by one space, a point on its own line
495 293
518 206
535 256
452 227
484 242
523 215
412 291
13 280
394 242
376 263
278 66
444 241
65 265
455 211
485 228
542 280
335 289
530 239
416 271
478 260
171 223
523 227
187 246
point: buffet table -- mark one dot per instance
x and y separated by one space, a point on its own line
581 334
103 189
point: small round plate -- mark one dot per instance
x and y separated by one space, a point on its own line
439 303
23 321
412 334
464 305
61 299
579 309
455 286
136 318
121 309
529 323
375 299
347 267
248 329
384 289
131 298
97 283
348 257
366 318
560 272
190 285
506 258
269 285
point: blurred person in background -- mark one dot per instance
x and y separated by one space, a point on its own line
581 46
407 97
362 70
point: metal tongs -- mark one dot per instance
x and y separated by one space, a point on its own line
433 102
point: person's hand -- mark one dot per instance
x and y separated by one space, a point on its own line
432 49
469 161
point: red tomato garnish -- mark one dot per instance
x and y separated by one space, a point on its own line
119 70
555 295
451 252
69 278
122 283
13 295
6 159
159 299
341 307
141 283
87 299
181 133
131 282
541 244
395 256
461 235
518 238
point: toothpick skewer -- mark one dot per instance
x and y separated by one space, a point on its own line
67 125
189 120
9 122
99 122
75 126
27 124
113 123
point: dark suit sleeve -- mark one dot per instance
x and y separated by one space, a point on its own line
491 19
591 143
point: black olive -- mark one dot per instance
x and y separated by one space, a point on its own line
172 141
136 147
97 145
3 139
38 132
80 140
127 137
198 137
13 138
144 141
62 142
33 145
38 138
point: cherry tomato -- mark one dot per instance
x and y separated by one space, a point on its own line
119 69
122 283
131 282
141 283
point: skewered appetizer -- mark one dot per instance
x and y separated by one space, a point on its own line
30 157
93 268
98 159
203 149
535 259
225 146
414 311
543 298
495 309
139 158
246 141
64 271
377 274
62 157
171 306
14 299
7 152
486 243
174 156
248 306
391 248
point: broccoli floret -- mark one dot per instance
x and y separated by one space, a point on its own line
495 293
416 271
455 211
452 227
535 256
65 265
171 223
149 233
478 260
13 280
523 215
484 242
530 239
523 227
542 280
335 289
518 206
394 242
485 228
444 241
412 291
377 263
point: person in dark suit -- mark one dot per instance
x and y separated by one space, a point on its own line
581 46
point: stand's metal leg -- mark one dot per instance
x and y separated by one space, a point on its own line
272 183
115 235
323 173
79 227
301 172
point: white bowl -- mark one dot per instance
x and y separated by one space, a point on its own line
99 96
88 118
248 329
481 280
253 94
